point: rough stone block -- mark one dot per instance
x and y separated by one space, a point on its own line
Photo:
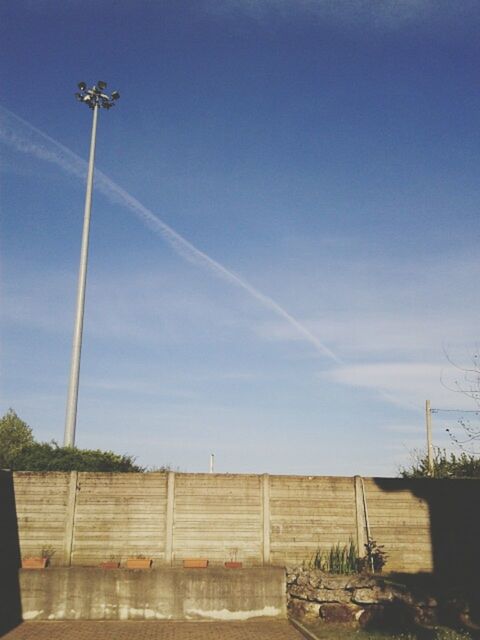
303 592
372 595
361 581
336 612
334 582
426 616
373 616
332 595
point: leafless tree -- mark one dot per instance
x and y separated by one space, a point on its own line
467 383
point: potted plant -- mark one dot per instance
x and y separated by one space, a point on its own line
195 563
233 563
111 563
139 562
39 562
34 562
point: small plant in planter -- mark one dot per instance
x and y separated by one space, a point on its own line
195 563
34 562
233 563
41 561
139 562
111 563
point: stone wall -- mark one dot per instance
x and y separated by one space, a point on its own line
376 600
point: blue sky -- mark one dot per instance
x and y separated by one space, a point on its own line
319 163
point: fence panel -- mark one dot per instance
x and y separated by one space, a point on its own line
41 502
119 515
308 513
218 517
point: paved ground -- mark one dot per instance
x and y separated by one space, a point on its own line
153 630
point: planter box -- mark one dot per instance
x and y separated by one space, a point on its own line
195 563
34 562
233 565
109 564
139 563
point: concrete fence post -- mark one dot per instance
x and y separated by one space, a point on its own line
265 489
361 523
169 517
70 518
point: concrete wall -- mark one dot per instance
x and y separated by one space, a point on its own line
177 594
401 520
308 512
118 513
217 516
260 520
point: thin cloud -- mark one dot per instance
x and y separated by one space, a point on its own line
26 138
407 384
384 15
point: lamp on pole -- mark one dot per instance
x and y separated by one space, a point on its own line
94 98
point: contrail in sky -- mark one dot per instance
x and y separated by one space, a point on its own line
26 138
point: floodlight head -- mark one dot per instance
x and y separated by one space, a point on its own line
95 96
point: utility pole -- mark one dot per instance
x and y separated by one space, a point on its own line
95 99
428 423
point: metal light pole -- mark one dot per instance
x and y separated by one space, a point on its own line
95 99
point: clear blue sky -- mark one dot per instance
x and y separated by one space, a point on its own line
326 153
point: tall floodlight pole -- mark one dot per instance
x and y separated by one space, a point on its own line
94 98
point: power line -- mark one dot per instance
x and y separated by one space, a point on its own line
476 411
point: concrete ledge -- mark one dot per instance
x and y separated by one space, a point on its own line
90 593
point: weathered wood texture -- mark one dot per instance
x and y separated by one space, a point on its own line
254 519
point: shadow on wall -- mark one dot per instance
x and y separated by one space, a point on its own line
10 604
454 507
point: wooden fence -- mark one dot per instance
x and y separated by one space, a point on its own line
257 519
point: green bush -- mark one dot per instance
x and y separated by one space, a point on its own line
15 436
444 465
46 456
20 452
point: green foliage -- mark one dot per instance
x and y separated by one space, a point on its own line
15 436
445 465
20 452
345 559
375 557
47 456
338 559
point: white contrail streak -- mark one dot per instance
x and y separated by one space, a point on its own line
26 138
